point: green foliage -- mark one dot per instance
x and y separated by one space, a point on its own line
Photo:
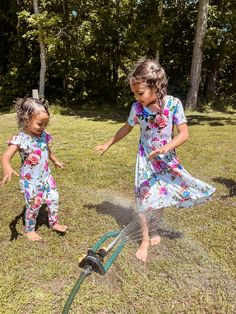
91 46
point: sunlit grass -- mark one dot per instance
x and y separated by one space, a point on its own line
191 274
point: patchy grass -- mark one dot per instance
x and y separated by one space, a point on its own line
191 274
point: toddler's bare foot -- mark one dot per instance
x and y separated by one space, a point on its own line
33 236
142 251
155 240
58 227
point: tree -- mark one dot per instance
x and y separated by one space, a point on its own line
196 65
42 55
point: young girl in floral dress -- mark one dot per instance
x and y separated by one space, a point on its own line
160 179
36 181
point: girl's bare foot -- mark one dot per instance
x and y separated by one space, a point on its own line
58 227
142 251
33 236
155 240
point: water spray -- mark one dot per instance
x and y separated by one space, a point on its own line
97 258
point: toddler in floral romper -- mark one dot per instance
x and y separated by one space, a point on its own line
36 182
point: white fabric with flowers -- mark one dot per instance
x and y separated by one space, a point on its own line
36 181
163 181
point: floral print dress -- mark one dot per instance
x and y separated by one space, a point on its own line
163 181
36 181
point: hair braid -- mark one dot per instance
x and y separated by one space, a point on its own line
150 72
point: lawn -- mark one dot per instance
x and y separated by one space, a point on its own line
193 273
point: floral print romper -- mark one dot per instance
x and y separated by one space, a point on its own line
163 181
36 181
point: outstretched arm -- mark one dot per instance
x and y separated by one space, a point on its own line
178 140
53 158
122 132
7 168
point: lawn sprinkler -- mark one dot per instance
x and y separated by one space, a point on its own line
94 261
95 258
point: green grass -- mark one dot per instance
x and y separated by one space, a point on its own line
191 274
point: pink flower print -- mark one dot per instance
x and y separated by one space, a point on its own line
156 165
52 182
135 119
166 112
163 142
27 162
144 188
159 165
175 120
48 138
33 159
175 172
141 150
37 201
184 185
27 194
174 166
161 120
46 166
152 124
48 202
28 176
155 139
138 108
38 152
163 190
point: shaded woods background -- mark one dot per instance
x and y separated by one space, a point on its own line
91 45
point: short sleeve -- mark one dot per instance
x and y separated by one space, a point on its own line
48 137
19 141
132 119
179 115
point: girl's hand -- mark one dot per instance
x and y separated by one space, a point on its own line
158 151
101 148
7 175
59 164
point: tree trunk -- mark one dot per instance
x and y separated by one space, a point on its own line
43 66
196 65
160 10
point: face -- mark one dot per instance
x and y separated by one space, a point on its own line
37 123
143 94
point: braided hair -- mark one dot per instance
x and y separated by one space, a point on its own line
149 72
27 107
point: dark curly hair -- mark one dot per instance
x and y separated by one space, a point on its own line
26 107
150 72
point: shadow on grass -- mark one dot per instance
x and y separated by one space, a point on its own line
229 184
42 219
125 216
211 121
122 116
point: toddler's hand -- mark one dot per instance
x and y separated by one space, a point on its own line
158 151
59 164
101 148
7 175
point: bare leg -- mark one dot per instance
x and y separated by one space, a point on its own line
155 238
33 236
142 251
